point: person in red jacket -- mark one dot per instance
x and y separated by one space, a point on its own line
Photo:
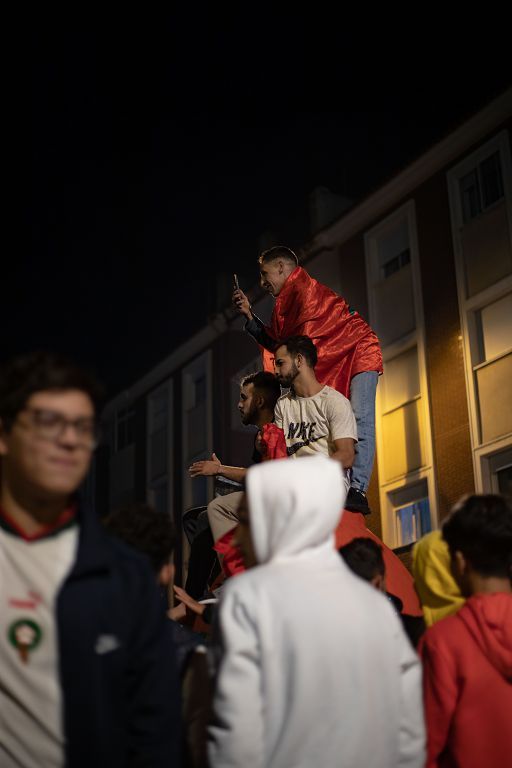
349 355
467 658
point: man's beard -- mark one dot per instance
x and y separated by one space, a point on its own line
287 381
251 417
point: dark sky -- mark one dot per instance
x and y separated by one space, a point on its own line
145 170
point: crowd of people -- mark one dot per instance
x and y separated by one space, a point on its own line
310 644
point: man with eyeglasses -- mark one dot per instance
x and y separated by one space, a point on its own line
349 355
86 670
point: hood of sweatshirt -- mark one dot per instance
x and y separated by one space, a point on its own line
489 621
294 506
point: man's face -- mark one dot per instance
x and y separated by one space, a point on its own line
247 404
243 538
285 367
272 276
42 452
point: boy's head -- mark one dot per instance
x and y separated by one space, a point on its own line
48 427
364 557
479 537
147 531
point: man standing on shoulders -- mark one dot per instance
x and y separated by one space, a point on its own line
349 355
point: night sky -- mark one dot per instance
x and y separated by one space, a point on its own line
146 169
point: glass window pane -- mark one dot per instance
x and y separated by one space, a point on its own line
505 481
413 521
492 181
496 327
495 398
470 195
401 380
403 440
486 249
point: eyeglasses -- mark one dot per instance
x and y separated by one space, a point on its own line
51 424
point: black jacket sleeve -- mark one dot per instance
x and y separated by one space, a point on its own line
256 328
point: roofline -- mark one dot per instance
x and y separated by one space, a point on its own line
349 224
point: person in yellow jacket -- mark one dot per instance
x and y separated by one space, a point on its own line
438 592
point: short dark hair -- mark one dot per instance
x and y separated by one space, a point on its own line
480 526
144 529
364 557
300 345
23 376
279 252
266 385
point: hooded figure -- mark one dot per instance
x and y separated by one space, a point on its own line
468 684
438 591
316 669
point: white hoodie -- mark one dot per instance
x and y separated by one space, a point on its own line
316 671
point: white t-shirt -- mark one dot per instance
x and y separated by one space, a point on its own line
312 424
31 574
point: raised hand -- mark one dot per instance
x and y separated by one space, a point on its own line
242 303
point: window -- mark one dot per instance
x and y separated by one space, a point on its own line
197 428
494 323
481 187
404 442
411 508
480 196
396 263
159 447
125 428
499 472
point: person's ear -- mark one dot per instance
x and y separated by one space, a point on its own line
379 582
459 564
298 360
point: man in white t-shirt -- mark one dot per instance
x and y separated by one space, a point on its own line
315 418
318 419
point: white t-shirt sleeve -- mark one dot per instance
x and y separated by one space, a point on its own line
341 418
278 414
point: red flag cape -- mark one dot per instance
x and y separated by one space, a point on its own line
345 343
273 446
398 579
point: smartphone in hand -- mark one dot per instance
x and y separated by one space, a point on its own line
235 282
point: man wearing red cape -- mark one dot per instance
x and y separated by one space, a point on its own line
349 355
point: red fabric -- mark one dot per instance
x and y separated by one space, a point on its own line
273 442
398 579
467 669
233 562
345 343
273 446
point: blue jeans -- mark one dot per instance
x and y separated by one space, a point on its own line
362 399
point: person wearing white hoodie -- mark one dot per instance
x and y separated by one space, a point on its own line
315 667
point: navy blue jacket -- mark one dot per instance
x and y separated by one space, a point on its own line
117 666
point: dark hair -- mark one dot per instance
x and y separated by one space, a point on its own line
364 557
23 376
279 252
301 345
266 385
480 527
146 530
